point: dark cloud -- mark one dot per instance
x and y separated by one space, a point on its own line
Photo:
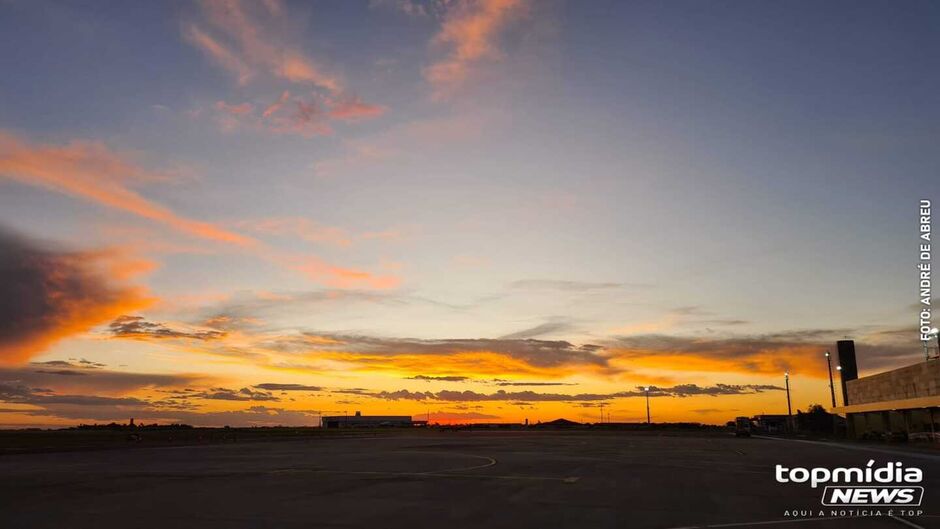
287 387
539 353
351 391
66 368
682 390
522 384
688 390
455 416
96 380
106 409
445 378
773 353
64 372
88 363
230 394
47 294
539 330
244 394
138 328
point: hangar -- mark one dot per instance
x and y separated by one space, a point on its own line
369 421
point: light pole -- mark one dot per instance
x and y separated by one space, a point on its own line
786 377
832 387
647 389
839 369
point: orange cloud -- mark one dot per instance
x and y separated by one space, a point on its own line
93 172
219 53
237 110
353 108
471 363
339 277
470 30
248 40
61 294
274 107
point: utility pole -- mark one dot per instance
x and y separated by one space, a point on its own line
647 388
786 376
832 387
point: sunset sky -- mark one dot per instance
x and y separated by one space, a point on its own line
252 212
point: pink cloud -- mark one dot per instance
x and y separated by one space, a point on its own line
93 172
296 115
247 38
339 277
238 110
470 31
353 108
275 106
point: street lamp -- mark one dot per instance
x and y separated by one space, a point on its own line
786 377
844 400
647 389
832 387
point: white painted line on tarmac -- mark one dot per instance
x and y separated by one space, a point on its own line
573 479
918 455
906 522
766 522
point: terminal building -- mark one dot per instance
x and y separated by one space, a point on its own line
369 421
904 401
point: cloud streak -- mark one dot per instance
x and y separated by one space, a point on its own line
93 172
246 38
681 391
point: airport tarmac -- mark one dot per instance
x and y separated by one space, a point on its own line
447 480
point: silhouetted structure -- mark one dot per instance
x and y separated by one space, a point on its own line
848 367
898 404
369 421
558 423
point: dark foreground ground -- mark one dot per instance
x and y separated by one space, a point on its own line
443 480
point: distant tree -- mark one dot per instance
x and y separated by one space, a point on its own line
816 408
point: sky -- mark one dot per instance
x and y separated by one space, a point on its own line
229 212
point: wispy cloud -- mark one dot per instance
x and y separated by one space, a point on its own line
552 327
248 39
470 33
270 386
252 41
798 351
93 172
684 390
136 327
